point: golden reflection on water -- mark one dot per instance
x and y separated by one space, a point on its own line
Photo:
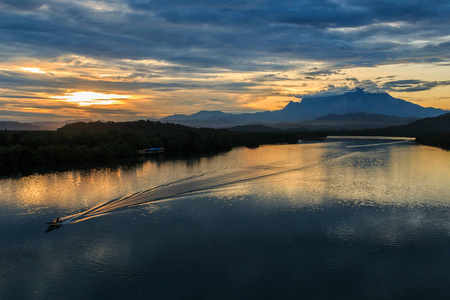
293 175
386 175
393 176
72 189
299 179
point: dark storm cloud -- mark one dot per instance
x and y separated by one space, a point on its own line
22 4
412 85
236 35
24 82
331 89
316 72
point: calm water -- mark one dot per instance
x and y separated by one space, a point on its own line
341 219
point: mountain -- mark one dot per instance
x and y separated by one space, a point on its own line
311 108
357 101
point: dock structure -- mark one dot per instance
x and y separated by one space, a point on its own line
151 151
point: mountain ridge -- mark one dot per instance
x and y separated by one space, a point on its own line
311 108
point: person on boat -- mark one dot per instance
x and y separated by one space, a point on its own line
58 220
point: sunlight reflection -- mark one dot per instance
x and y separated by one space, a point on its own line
286 175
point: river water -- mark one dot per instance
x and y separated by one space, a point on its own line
341 219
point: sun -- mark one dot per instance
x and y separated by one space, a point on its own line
33 70
92 98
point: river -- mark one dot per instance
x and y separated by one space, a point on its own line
345 218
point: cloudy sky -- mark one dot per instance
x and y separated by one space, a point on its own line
134 59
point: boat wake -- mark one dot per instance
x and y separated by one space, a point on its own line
379 144
194 185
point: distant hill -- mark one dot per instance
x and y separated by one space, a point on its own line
254 128
435 125
433 131
34 126
311 108
211 119
212 122
429 131
350 121
10 125
439 125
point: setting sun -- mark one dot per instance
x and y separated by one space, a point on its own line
92 98
33 70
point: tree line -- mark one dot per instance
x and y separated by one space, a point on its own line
104 140
437 140
428 131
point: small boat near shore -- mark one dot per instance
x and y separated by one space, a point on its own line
149 151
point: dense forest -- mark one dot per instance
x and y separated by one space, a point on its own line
428 131
436 140
104 140
94 141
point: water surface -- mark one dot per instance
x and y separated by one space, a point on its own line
341 219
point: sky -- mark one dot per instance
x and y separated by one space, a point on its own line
139 59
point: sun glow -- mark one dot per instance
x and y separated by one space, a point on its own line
33 70
92 98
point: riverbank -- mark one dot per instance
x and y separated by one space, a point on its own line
99 141
438 140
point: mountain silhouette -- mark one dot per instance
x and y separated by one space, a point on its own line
310 108
357 101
